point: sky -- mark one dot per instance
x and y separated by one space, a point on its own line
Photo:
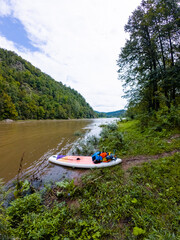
76 42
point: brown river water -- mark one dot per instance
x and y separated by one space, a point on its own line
36 141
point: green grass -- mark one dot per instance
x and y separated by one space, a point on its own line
109 203
106 206
130 140
149 201
149 142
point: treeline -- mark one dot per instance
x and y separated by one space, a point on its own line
119 113
27 93
149 63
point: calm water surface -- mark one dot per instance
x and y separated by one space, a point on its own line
37 141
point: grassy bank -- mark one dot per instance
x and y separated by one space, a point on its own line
129 139
111 203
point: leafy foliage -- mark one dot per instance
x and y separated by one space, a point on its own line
86 146
4 219
111 137
27 93
24 206
149 62
65 188
44 225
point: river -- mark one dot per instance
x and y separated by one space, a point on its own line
35 141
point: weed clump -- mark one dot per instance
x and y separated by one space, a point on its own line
86 146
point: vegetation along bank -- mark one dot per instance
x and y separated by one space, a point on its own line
122 202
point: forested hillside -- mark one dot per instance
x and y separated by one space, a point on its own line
27 93
149 63
117 114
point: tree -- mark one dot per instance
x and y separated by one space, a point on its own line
7 108
149 62
26 91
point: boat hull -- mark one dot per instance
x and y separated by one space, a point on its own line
81 161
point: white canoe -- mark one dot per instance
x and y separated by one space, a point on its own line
81 161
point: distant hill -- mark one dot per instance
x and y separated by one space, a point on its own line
117 114
28 93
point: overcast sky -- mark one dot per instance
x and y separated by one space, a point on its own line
76 42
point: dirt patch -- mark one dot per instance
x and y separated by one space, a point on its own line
128 163
136 160
77 179
173 137
73 204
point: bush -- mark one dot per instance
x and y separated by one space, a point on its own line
86 146
66 188
48 224
4 219
23 206
108 129
111 137
84 229
167 118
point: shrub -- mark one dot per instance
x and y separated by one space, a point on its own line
86 146
23 206
111 137
66 188
84 229
164 118
4 219
48 224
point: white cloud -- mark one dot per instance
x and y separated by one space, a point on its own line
79 43
4 43
5 7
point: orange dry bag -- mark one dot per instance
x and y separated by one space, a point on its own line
103 154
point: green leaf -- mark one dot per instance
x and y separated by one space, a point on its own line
134 200
138 231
